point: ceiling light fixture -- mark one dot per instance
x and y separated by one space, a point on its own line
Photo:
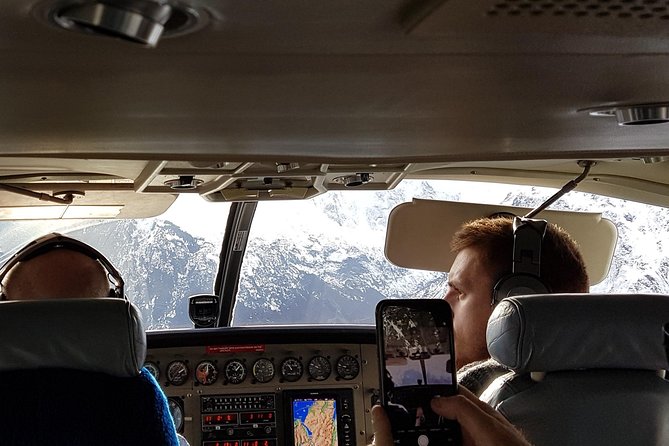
634 114
138 21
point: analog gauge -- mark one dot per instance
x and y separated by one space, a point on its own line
235 372
177 373
319 368
291 369
153 368
206 373
348 367
177 412
263 370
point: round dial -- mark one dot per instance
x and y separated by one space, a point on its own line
263 370
348 367
153 368
177 412
319 368
206 373
177 373
235 371
291 369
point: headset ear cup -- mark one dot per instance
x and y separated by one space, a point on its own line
517 285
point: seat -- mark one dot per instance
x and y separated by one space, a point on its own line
71 374
586 369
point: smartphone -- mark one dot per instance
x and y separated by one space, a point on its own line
416 364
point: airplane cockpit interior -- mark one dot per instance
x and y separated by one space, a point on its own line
254 176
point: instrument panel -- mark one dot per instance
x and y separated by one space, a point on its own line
261 386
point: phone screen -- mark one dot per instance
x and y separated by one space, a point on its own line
416 352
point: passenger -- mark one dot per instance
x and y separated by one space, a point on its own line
484 250
481 424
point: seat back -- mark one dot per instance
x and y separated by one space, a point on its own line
587 369
71 374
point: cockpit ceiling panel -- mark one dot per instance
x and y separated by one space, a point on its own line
333 81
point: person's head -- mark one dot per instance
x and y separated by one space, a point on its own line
484 252
55 266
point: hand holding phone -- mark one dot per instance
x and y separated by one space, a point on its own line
481 424
417 363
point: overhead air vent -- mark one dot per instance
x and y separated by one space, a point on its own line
634 114
184 182
532 24
622 9
139 21
355 180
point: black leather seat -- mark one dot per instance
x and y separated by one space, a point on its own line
587 369
71 374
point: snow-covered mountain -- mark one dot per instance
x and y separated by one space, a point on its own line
322 260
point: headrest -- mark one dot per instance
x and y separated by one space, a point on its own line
544 333
97 335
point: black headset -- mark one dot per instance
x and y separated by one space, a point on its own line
528 234
53 241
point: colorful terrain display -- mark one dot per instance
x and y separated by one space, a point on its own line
315 422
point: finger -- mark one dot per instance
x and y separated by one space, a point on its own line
478 425
460 408
480 404
381 425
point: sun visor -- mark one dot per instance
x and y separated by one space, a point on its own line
95 204
419 233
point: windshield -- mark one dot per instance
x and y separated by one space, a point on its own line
163 260
322 260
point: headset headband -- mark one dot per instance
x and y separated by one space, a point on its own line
54 241
525 277
528 233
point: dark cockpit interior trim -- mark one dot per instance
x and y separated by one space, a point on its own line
267 335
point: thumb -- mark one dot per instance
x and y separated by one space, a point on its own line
479 426
381 425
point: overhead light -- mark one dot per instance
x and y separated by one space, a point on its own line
634 114
139 21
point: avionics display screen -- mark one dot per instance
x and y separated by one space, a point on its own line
314 421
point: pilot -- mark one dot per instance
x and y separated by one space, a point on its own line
484 250
55 266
